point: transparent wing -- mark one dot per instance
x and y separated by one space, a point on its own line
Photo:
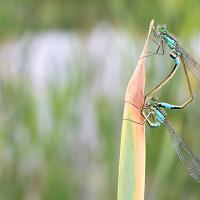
190 63
186 156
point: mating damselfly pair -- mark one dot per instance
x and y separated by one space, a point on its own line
154 112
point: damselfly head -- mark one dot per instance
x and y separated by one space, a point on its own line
151 101
162 29
154 100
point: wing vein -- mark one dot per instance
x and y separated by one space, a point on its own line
186 156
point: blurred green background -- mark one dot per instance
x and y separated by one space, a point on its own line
65 65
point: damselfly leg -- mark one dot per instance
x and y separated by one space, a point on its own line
159 50
144 113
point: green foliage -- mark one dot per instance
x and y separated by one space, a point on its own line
29 15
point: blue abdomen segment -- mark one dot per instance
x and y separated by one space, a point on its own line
159 119
159 116
176 59
167 105
155 125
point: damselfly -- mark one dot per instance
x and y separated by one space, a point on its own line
155 115
164 36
